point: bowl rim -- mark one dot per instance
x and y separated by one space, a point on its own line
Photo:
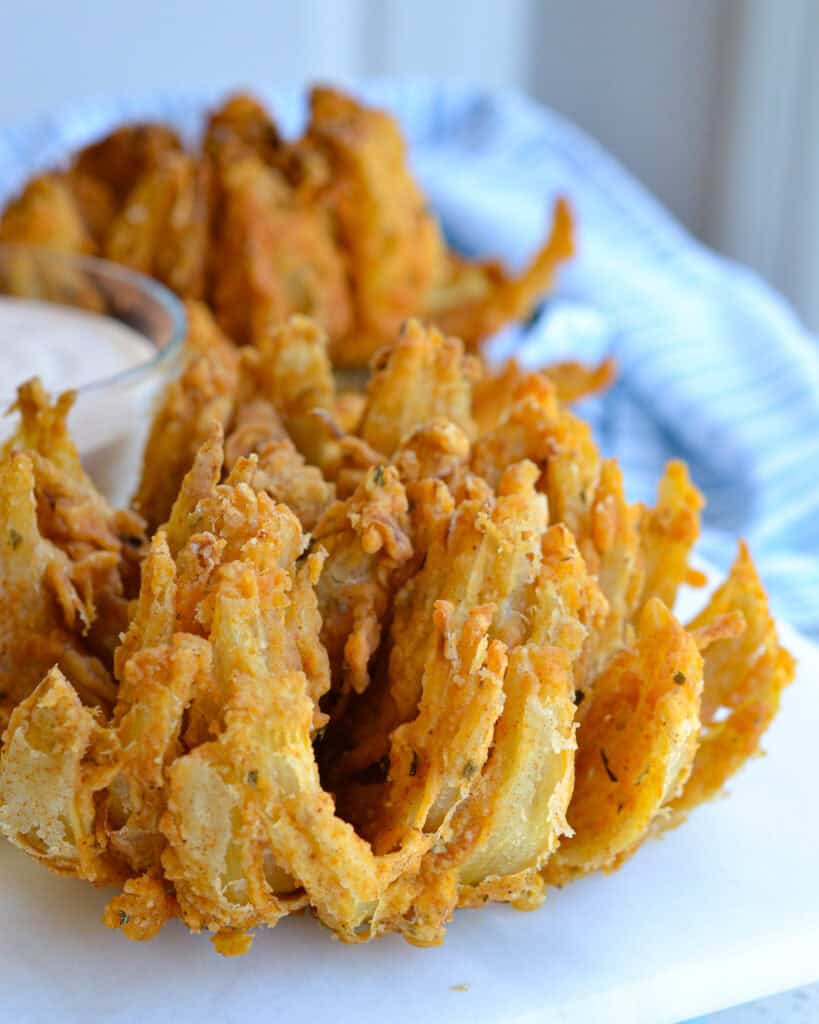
157 292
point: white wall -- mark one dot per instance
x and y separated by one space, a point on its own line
766 193
54 50
714 104
645 77
486 40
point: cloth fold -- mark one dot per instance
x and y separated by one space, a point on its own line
713 365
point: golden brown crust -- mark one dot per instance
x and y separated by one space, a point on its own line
119 159
474 300
203 395
162 228
667 534
367 540
636 745
332 225
393 242
46 213
290 368
56 756
272 255
745 673
142 909
421 377
464 686
496 390
574 380
70 562
242 123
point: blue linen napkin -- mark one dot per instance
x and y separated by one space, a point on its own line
713 365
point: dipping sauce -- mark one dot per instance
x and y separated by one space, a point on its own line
71 349
64 347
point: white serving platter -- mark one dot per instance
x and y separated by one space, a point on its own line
721 911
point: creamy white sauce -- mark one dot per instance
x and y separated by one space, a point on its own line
69 349
65 347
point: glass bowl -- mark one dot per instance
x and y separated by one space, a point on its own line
106 306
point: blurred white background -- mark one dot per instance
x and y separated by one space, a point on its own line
714 104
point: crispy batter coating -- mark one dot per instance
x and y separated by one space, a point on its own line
612 547
204 393
206 338
474 300
332 224
43 428
70 562
273 255
491 554
745 675
96 202
242 122
495 391
422 376
511 823
449 738
166 674
376 538
285 475
668 533
281 469
143 908
586 494
198 486
232 521
636 745
162 228
119 159
393 242
233 862
56 756
574 380
484 551
104 546
290 368
515 815
438 450
536 427
251 834
638 553
46 213
395 647
157 686
32 618
255 424
41 607
367 541
213 821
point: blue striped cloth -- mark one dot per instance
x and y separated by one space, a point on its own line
713 365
